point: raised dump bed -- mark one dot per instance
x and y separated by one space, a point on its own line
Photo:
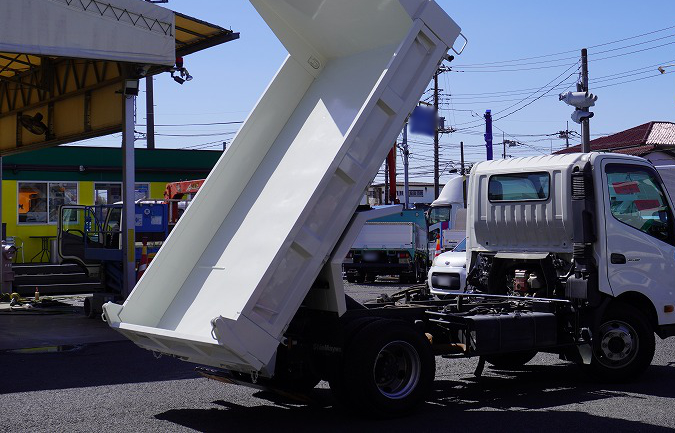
236 268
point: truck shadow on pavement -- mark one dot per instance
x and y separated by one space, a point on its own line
523 400
89 365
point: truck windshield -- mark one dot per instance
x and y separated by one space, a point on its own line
439 214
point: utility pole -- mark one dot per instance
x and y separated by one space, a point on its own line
504 144
488 134
406 152
585 131
582 100
436 146
461 166
567 135
150 112
386 180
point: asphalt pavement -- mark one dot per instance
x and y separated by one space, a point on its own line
115 386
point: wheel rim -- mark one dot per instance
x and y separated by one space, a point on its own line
619 344
397 370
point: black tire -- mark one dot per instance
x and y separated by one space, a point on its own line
623 345
388 369
336 381
510 361
359 278
351 278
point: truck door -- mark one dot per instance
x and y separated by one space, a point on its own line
640 234
78 229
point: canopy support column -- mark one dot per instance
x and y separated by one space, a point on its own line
2 258
129 196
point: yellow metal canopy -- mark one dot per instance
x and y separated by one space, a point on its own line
51 100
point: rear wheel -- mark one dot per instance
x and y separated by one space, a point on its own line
351 278
388 369
623 345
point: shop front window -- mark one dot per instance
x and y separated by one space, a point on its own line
60 194
108 193
38 202
111 193
32 202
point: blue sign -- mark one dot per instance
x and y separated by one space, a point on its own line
423 120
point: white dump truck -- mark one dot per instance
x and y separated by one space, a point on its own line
568 254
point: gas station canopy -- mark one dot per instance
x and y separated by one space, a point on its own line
63 62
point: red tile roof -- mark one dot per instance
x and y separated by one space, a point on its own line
639 140
622 142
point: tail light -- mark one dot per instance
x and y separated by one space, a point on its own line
403 255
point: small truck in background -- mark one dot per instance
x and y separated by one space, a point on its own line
446 218
392 245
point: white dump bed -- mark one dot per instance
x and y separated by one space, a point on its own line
237 266
385 235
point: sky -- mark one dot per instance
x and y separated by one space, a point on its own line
520 55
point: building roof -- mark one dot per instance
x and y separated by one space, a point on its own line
105 164
639 140
381 184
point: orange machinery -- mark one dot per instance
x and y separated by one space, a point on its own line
176 192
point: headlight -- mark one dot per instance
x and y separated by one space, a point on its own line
437 262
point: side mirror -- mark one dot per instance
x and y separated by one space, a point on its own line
663 216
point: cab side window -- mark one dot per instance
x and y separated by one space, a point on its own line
637 199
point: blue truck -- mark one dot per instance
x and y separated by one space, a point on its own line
392 245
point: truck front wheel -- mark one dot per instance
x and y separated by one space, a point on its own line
623 345
388 368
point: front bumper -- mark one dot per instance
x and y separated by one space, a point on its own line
446 280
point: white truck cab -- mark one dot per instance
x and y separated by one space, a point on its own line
446 218
594 228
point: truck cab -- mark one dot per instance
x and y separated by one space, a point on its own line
446 218
595 228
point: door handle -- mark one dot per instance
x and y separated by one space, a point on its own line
617 259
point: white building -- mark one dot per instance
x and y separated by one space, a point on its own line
418 192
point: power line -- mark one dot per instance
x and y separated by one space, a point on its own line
533 93
570 51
